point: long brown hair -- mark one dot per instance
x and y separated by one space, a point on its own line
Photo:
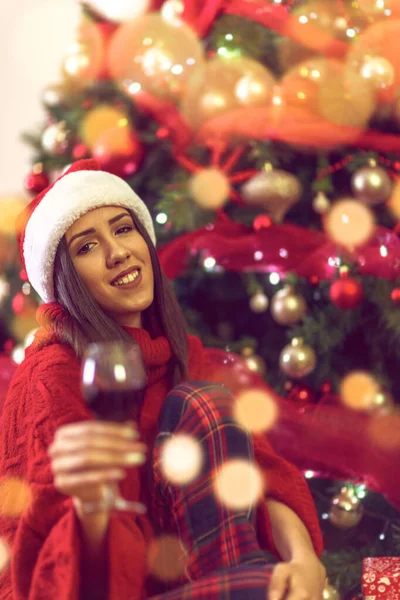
86 322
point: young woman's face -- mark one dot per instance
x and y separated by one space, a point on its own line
114 262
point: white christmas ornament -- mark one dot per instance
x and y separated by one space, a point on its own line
120 11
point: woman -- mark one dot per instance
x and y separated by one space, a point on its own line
87 243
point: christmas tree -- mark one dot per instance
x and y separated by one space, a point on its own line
264 137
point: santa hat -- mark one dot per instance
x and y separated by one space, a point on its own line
46 219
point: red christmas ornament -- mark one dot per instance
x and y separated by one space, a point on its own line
395 295
18 302
80 151
36 181
314 280
87 104
23 305
346 293
23 275
326 387
261 222
162 133
302 395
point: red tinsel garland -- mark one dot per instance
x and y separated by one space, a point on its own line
281 248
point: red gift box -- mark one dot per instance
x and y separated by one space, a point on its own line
381 578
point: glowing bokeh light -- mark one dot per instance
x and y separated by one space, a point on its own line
350 223
167 558
239 484
358 390
181 459
15 497
256 410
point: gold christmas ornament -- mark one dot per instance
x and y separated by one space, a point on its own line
55 139
374 53
287 307
274 191
210 188
85 57
372 185
154 55
326 16
259 302
76 61
225 84
325 87
330 592
254 362
379 71
346 509
321 203
297 360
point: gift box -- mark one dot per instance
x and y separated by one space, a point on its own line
381 578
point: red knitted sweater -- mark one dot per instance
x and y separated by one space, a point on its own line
45 394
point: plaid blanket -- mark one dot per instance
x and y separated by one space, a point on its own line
241 583
221 543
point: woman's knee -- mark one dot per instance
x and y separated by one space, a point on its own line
209 401
200 408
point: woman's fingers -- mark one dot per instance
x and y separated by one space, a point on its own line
104 429
279 582
72 446
97 459
73 483
88 457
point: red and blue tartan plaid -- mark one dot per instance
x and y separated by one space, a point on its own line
221 543
242 583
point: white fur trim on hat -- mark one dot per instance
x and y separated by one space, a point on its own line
69 199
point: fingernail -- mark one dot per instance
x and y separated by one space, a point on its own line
130 433
134 458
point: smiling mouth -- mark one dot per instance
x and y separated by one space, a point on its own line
130 278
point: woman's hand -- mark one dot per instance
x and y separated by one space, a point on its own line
301 579
87 456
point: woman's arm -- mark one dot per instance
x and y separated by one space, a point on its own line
301 576
86 458
291 536
94 556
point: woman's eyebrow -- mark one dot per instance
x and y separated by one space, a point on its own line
92 229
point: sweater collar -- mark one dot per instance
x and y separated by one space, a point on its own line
156 353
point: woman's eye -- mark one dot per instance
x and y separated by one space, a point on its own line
124 229
85 249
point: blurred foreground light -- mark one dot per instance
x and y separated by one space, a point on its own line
15 497
350 223
167 558
181 459
239 484
358 390
256 410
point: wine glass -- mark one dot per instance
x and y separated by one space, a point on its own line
113 383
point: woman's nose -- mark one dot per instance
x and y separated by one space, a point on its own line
116 253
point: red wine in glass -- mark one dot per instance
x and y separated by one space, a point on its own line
113 384
115 405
